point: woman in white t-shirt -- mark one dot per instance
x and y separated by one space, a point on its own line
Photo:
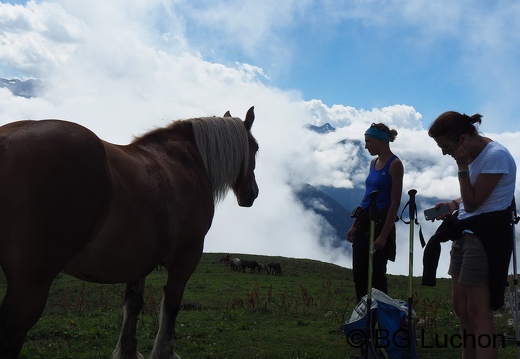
480 254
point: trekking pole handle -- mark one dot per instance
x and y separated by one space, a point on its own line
411 205
373 205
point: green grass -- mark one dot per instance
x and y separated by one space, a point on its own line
231 315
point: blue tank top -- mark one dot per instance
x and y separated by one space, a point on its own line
379 180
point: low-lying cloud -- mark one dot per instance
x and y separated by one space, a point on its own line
120 75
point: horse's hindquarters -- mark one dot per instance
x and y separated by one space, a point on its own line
53 188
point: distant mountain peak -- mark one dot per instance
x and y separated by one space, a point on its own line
326 128
316 200
28 88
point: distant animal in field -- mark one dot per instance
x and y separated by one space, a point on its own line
106 213
225 259
263 268
235 264
251 265
275 268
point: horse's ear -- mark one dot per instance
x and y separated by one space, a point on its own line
250 117
227 114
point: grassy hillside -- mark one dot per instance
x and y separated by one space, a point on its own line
236 315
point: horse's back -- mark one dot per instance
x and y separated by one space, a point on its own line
53 185
49 157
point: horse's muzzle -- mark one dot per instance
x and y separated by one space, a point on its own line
248 199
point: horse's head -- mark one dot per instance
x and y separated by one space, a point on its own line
245 187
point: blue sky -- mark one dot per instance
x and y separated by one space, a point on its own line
122 67
433 56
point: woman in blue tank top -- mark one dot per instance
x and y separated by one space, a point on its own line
386 176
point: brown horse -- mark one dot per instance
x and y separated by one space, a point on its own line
105 213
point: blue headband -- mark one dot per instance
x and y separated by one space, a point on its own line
376 133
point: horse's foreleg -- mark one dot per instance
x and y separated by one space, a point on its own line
133 304
163 346
21 308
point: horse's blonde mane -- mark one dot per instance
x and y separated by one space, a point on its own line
223 146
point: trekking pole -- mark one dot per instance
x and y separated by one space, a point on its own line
514 309
514 306
373 219
412 211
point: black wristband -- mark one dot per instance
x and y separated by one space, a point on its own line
463 173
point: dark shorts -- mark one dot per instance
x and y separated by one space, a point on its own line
469 261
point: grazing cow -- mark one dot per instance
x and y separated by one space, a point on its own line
275 268
252 265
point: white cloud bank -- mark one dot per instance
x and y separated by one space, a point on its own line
120 69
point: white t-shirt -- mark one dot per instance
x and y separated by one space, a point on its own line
493 159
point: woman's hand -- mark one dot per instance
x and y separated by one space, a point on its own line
379 243
461 154
350 234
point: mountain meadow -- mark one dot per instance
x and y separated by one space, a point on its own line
242 315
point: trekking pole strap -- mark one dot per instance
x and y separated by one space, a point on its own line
416 221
